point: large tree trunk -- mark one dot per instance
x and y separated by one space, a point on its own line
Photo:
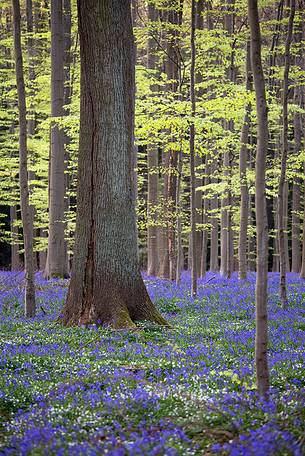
26 213
106 285
57 262
152 165
261 336
283 190
244 191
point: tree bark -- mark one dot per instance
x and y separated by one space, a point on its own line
282 193
106 285
261 336
56 265
26 213
244 191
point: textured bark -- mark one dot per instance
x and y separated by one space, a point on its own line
106 285
244 191
26 213
205 220
283 190
56 265
224 248
261 336
16 263
192 152
152 165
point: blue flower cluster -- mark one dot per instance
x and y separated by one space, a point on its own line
183 391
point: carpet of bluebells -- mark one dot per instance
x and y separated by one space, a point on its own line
183 391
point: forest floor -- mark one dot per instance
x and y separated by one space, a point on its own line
183 391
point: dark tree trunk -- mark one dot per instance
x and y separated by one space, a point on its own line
26 212
261 336
106 285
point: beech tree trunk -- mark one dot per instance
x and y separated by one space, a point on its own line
282 194
244 191
106 285
296 193
26 213
192 152
261 336
152 165
16 263
57 263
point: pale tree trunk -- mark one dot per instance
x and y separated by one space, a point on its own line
214 251
226 239
67 42
296 192
179 218
205 221
16 264
244 190
283 190
302 272
152 165
261 336
192 152
31 71
198 212
56 265
106 285
26 213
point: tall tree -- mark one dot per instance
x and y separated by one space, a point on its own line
282 194
26 213
152 164
261 336
244 190
57 262
192 150
106 285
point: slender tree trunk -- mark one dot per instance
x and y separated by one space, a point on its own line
16 264
57 248
214 252
244 191
192 152
261 336
106 285
152 165
302 273
296 192
26 214
282 193
179 218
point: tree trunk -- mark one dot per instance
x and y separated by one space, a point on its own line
26 213
57 249
106 285
296 192
261 336
152 165
282 193
16 264
192 152
244 191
